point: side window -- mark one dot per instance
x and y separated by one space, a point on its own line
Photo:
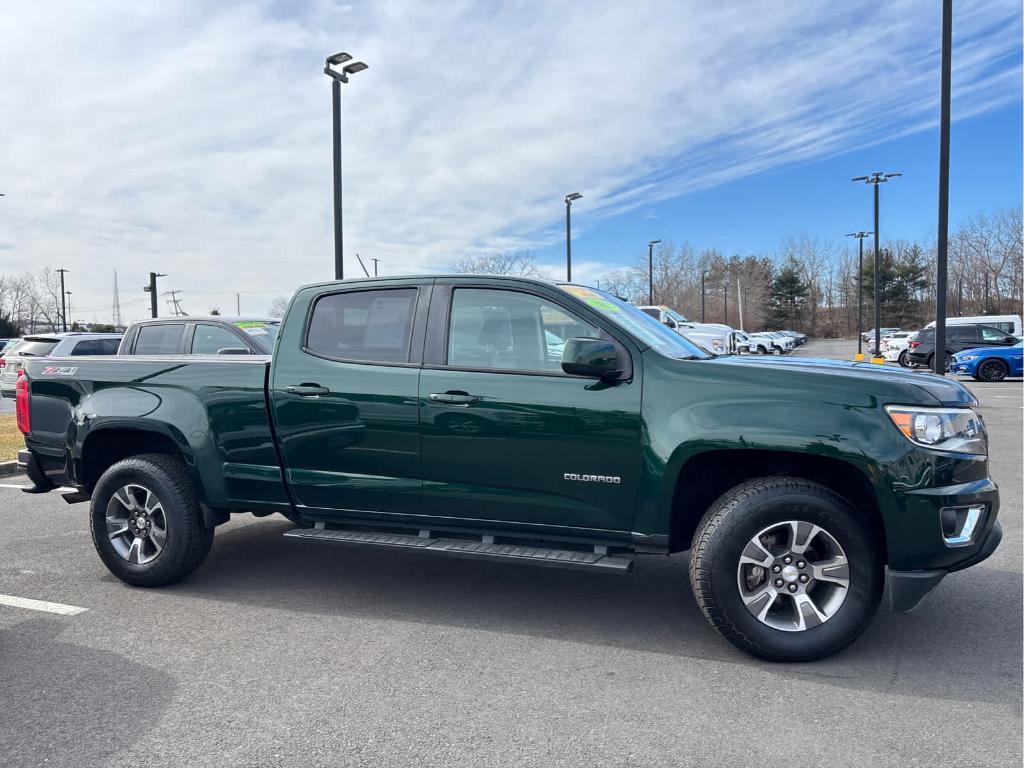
993 334
367 326
210 339
95 347
508 330
163 339
963 333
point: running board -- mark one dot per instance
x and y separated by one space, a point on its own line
482 550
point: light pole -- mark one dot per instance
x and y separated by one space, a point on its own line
876 178
725 287
374 266
63 305
942 249
151 290
703 274
860 290
568 233
68 294
650 270
339 76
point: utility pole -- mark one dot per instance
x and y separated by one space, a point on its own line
63 305
568 233
337 78
151 290
650 270
876 178
68 294
739 295
939 357
702 276
860 290
238 304
725 287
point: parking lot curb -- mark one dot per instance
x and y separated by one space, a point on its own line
8 468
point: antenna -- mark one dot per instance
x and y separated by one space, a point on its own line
117 304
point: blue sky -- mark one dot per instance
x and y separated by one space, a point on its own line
194 138
755 213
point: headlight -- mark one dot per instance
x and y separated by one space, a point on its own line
965 358
946 429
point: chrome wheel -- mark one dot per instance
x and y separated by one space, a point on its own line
793 576
136 524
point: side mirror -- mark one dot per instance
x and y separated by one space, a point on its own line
233 351
595 358
670 323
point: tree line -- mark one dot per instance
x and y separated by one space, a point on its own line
811 285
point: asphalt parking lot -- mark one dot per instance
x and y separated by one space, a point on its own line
285 653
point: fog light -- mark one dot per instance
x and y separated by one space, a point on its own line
959 524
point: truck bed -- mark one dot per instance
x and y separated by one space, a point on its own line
214 406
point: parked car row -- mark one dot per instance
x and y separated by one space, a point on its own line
986 347
212 335
720 339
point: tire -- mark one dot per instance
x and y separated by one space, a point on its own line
718 575
157 487
902 360
931 362
992 370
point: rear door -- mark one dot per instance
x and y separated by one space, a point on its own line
344 398
506 435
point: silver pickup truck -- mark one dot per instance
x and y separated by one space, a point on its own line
717 339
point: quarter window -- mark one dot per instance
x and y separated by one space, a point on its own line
163 339
96 347
368 326
993 334
508 330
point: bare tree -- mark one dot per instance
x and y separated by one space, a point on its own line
516 263
278 307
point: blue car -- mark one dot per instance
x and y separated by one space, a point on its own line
990 363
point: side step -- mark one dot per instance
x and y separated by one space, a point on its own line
515 553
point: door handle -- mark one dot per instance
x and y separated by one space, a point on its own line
307 390
455 397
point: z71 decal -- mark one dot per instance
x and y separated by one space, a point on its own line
59 370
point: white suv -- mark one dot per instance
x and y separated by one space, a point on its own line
52 345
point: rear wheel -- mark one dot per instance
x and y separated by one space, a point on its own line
931 362
902 359
785 569
146 524
992 370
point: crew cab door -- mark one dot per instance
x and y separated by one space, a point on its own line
343 390
506 435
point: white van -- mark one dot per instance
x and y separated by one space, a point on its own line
1008 323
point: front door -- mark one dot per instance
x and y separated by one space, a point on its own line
506 435
344 396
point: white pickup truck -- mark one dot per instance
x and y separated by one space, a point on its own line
717 339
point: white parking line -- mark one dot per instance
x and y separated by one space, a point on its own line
11 485
40 605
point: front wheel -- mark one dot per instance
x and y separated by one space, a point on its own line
785 569
146 523
992 370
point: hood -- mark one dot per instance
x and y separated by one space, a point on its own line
938 388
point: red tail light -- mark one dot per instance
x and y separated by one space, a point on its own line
915 344
2 362
21 403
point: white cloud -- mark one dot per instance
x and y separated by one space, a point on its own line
195 138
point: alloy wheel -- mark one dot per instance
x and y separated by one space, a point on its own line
136 524
793 576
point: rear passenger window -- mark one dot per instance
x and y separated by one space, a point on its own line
993 334
162 339
367 326
96 347
963 333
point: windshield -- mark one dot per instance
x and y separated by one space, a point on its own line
641 325
262 332
676 316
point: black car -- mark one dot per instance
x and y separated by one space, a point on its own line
214 335
958 338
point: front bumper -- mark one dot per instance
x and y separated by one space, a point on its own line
904 590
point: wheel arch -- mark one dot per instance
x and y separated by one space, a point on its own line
704 477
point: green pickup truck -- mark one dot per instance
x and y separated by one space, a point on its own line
532 423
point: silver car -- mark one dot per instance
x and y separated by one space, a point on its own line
52 345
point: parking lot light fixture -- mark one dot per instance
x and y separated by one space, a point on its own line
875 179
338 67
568 233
860 290
650 270
703 275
